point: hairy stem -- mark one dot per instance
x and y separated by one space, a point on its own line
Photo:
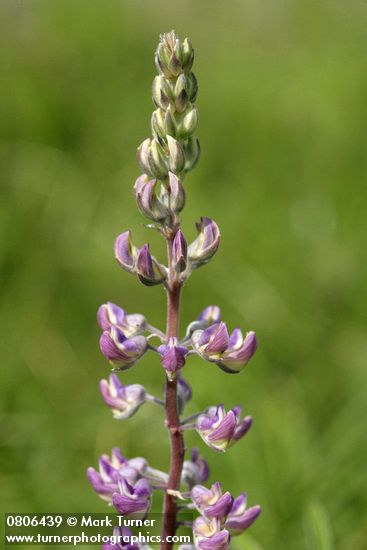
172 415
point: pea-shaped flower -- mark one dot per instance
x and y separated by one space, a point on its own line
133 498
206 243
125 252
130 324
230 353
208 534
106 481
122 352
123 400
147 200
173 357
220 429
240 517
211 502
141 262
149 271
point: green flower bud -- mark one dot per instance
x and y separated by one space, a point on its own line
185 91
163 123
176 155
190 121
151 158
161 92
192 153
172 56
157 160
187 55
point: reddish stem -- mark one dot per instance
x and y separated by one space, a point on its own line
172 416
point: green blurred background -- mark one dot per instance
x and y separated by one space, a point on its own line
283 118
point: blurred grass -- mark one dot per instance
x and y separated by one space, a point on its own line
283 117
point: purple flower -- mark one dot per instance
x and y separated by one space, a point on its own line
133 498
194 471
147 200
211 502
122 352
110 314
149 271
123 400
173 357
111 470
230 353
208 534
105 482
220 429
239 518
206 243
125 252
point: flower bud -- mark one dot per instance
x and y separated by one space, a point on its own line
147 200
122 352
192 153
184 394
163 123
206 243
161 92
189 122
179 252
123 400
185 92
125 252
152 159
194 471
210 315
241 518
149 271
133 499
187 55
173 357
177 195
172 56
176 155
211 502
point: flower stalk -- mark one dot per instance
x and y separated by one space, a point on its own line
129 484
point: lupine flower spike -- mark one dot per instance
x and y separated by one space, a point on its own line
165 158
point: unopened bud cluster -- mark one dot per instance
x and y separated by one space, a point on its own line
129 484
173 147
